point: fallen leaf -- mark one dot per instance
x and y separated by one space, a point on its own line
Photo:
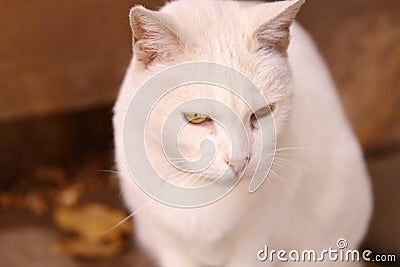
81 248
95 228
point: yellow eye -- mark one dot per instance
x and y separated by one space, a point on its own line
265 111
195 118
261 113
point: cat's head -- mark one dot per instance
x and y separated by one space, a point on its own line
250 37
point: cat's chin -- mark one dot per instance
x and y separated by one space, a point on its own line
231 176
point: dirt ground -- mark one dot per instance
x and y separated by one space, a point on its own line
27 239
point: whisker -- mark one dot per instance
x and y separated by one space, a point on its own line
283 154
174 158
173 171
292 163
189 178
184 159
163 163
178 179
204 178
127 218
179 163
172 175
109 171
293 148
282 180
200 178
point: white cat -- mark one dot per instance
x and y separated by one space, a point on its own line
318 190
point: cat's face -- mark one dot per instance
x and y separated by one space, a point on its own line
251 38
206 122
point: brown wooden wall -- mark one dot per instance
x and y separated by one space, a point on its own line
63 55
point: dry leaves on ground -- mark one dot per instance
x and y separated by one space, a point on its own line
95 229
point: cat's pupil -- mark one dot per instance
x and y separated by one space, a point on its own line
253 121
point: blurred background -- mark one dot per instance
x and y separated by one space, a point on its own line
61 64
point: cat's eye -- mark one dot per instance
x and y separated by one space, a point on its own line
264 111
261 113
195 118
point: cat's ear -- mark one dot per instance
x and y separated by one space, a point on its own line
153 36
274 33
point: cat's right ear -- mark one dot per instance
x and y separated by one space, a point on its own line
153 38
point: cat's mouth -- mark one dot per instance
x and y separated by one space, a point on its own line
236 174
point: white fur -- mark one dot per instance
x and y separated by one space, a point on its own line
325 195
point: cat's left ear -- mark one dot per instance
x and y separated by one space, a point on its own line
153 36
274 33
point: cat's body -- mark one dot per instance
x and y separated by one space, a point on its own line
322 194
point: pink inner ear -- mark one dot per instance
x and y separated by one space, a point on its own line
152 38
273 36
274 33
